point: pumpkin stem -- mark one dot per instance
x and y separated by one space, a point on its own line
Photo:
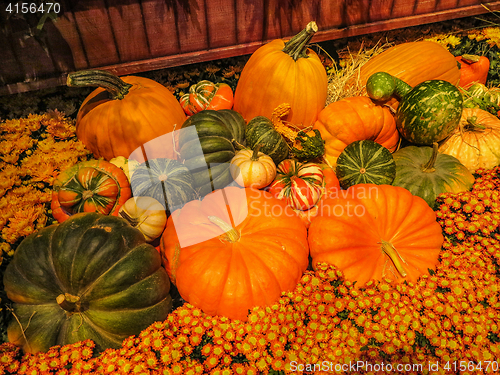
232 234
69 302
429 166
255 154
296 47
389 249
133 222
116 87
473 125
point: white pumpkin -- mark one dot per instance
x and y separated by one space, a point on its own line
146 214
476 141
252 168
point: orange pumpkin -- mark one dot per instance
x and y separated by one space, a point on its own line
283 72
225 264
476 141
125 113
473 69
376 232
413 62
354 119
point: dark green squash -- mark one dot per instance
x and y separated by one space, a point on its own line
208 140
166 180
260 131
91 277
365 162
427 113
307 146
427 173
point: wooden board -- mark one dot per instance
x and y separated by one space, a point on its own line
132 36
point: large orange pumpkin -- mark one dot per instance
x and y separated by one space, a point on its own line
125 113
413 62
376 232
354 119
234 250
283 72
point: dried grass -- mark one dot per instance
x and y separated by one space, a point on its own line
345 82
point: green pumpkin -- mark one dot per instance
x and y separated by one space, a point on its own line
91 277
166 180
427 173
365 162
427 113
260 131
208 140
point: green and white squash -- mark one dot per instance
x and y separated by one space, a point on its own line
427 113
166 180
208 140
427 173
365 162
260 131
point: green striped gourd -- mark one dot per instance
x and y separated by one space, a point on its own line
207 142
365 162
166 180
427 113
260 131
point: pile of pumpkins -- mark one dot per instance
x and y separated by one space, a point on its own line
206 193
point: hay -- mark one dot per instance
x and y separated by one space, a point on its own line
344 82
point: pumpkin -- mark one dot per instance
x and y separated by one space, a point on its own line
427 113
252 168
127 165
124 113
365 162
283 72
207 95
208 141
168 181
146 214
376 232
353 119
89 186
476 141
427 173
260 131
300 185
473 69
91 277
234 250
413 63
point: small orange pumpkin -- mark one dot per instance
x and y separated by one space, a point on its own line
229 263
283 72
376 232
354 119
125 113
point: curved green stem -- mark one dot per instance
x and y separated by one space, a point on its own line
429 166
232 235
255 154
296 47
389 249
100 78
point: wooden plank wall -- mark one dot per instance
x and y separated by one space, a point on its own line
131 36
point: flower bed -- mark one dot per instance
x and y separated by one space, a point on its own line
447 322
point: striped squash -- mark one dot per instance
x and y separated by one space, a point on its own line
260 131
365 162
207 143
166 180
301 185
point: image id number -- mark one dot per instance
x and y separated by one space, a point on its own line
33 8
